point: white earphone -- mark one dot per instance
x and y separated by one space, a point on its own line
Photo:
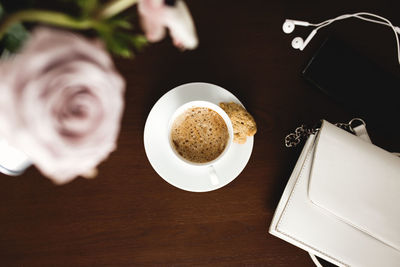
298 42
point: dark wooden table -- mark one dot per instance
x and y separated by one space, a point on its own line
129 216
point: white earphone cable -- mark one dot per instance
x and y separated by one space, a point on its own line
361 15
329 21
389 23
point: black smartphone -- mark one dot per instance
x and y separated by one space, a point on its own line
356 82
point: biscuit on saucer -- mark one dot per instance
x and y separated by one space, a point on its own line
243 123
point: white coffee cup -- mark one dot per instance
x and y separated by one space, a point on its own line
210 164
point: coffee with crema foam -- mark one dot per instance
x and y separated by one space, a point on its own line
199 134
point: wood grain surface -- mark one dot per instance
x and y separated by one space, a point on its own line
129 216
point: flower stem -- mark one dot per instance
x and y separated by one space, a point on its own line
49 17
114 7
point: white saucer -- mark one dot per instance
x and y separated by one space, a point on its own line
160 155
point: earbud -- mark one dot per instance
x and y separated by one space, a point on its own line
289 25
298 42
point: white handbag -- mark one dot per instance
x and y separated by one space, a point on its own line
342 201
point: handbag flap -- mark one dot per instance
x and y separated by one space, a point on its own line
358 182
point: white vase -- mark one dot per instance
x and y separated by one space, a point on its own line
12 161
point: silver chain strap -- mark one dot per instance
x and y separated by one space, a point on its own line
302 132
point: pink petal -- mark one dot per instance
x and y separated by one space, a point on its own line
156 16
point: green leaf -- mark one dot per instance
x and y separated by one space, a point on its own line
87 6
16 35
139 41
115 42
119 41
122 23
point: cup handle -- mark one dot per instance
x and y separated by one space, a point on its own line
213 175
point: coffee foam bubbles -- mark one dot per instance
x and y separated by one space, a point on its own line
199 134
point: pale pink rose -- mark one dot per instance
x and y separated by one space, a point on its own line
61 102
157 15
